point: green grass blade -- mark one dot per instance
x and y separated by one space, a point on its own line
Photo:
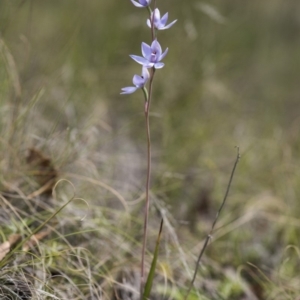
151 274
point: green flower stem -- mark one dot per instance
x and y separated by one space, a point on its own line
145 92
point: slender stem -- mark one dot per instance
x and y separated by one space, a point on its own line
147 120
208 237
147 204
145 92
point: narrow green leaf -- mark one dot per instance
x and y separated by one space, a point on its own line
151 274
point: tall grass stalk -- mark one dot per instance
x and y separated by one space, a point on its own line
209 236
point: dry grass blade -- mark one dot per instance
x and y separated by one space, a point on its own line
8 245
23 242
11 67
34 240
42 170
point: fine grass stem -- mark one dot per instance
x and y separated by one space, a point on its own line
208 237
20 244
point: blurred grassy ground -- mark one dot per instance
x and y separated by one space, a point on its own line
231 78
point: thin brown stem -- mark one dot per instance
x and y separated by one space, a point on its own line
147 204
208 237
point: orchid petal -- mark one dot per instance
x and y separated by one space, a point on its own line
155 47
164 54
146 50
145 74
145 2
138 81
149 65
141 3
164 19
169 25
128 90
159 65
136 4
156 15
140 60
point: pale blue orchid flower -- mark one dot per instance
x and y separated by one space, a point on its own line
138 81
159 22
152 55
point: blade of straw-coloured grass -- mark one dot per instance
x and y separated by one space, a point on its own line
11 67
24 241
6 246
103 185
208 237
149 282
29 106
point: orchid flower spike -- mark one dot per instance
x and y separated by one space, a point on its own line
152 55
141 3
158 22
138 81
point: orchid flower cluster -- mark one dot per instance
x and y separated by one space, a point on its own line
152 54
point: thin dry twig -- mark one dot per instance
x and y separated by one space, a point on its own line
208 237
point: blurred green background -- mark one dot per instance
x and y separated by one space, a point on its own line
231 78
